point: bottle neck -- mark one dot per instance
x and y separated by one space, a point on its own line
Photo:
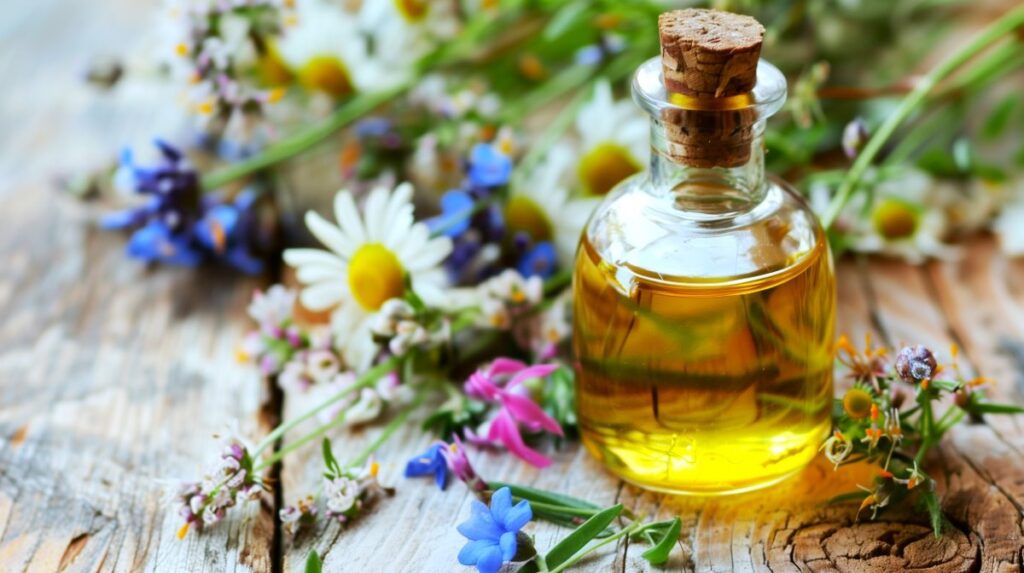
711 190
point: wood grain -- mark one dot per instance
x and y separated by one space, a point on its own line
112 377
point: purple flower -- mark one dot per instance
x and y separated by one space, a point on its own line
177 226
855 134
493 532
430 462
458 463
488 167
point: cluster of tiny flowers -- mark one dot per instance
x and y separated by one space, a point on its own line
316 362
508 297
232 481
276 338
396 326
344 496
220 41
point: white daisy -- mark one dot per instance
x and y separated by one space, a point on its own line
326 52
904 220
405 30
615 140
369 261
542 207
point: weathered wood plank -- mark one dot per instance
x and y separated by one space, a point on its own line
112 377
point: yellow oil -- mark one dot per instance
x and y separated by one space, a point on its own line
704 386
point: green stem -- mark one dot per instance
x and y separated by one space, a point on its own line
1000 28
386 433
303 140
296 444
926 429
368 378
634 527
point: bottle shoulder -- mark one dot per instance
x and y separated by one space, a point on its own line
658 238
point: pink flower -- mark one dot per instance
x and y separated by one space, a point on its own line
502 383
458 462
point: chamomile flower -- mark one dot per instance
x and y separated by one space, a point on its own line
325 51
615 141
371 258
404 30
542 208
904 219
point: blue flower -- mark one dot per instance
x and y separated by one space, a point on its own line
539 260
456 212
488 167
180 226
157 243
228 230
431 462
492 531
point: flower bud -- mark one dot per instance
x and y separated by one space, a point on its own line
897 397
855 134
915 363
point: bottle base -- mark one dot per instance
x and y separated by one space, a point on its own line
637 474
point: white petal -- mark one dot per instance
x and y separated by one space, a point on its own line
416 238
373 214
328 234
299 257
348 217
323 296
319 273
431 254
429 287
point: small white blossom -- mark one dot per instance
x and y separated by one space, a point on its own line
340 494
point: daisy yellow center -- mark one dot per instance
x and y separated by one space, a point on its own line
604 166
327 74
895 219
375 275
412 10
857 403
523 214
272 69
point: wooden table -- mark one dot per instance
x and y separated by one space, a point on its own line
114 377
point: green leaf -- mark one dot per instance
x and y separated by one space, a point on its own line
313 564
997 121
329 460
576 540
658 554
931 501
533 494
990 408
563 19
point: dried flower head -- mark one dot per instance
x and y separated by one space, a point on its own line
915 364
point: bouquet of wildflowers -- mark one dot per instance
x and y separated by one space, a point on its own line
470 141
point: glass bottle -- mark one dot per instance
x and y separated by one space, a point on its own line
704 310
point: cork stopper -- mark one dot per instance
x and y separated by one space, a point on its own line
710 57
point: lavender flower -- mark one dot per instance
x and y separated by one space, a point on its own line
177 225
